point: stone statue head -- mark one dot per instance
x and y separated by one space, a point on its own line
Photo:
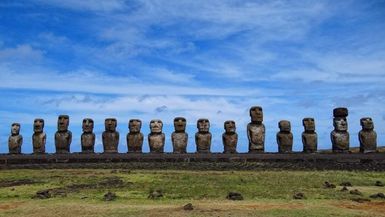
156 126
38 125
63 122
367 123
88 125
256 114
110 124
180 124
15 129
230 126
340 112
308 124
134 125
284 126
340 124
203 125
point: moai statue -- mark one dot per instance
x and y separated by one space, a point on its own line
88 136
230 137
309 136
203 136
284 137
367 136
156 138
256 130
39 138
179 137
63 137
135 137
110 136
340 135
15 140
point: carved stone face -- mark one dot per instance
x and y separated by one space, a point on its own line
63 122
203 125
256 114
15 129
110 124
156 126
88 125
309 124
284 126
38 125
180 124
134 125
367 123
230 126
340 124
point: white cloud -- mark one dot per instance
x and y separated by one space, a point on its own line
91 5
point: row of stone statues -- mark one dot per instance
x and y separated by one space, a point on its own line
156 138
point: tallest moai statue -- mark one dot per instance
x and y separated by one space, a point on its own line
63 137
340 135
256 130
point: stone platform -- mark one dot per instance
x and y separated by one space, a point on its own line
213 161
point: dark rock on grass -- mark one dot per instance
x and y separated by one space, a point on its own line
42 194
329 185
355 192
110 196
377 196
188 206
155 194
344 188
346 184
361 200
298 196
379 184
234 196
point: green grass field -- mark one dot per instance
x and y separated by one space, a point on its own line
80 192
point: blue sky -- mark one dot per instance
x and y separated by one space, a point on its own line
198 59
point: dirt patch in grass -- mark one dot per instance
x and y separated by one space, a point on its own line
8 206
367 206
18 182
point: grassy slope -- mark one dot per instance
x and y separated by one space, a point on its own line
266 193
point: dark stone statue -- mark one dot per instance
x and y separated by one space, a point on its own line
63 137
135 137
39 138
110 136
367 136
340 135
256 130
284 137
309 136
203 136
15 140
88 136
179 137
230 137
156 138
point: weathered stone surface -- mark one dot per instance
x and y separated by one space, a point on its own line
230 137
203 136
340 135
134 137
88 136
234 196
284 137
256 130
156 138
39 138
15 140
109 196
309 136
367 136
63 137
299 196
329 185
188 206
179 137
110 136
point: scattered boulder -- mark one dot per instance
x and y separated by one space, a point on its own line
355 192
188 206
344 188
298 196
377 196
379 184
42 194
329 185
234 196
109 196
346 184
155 194
360 200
